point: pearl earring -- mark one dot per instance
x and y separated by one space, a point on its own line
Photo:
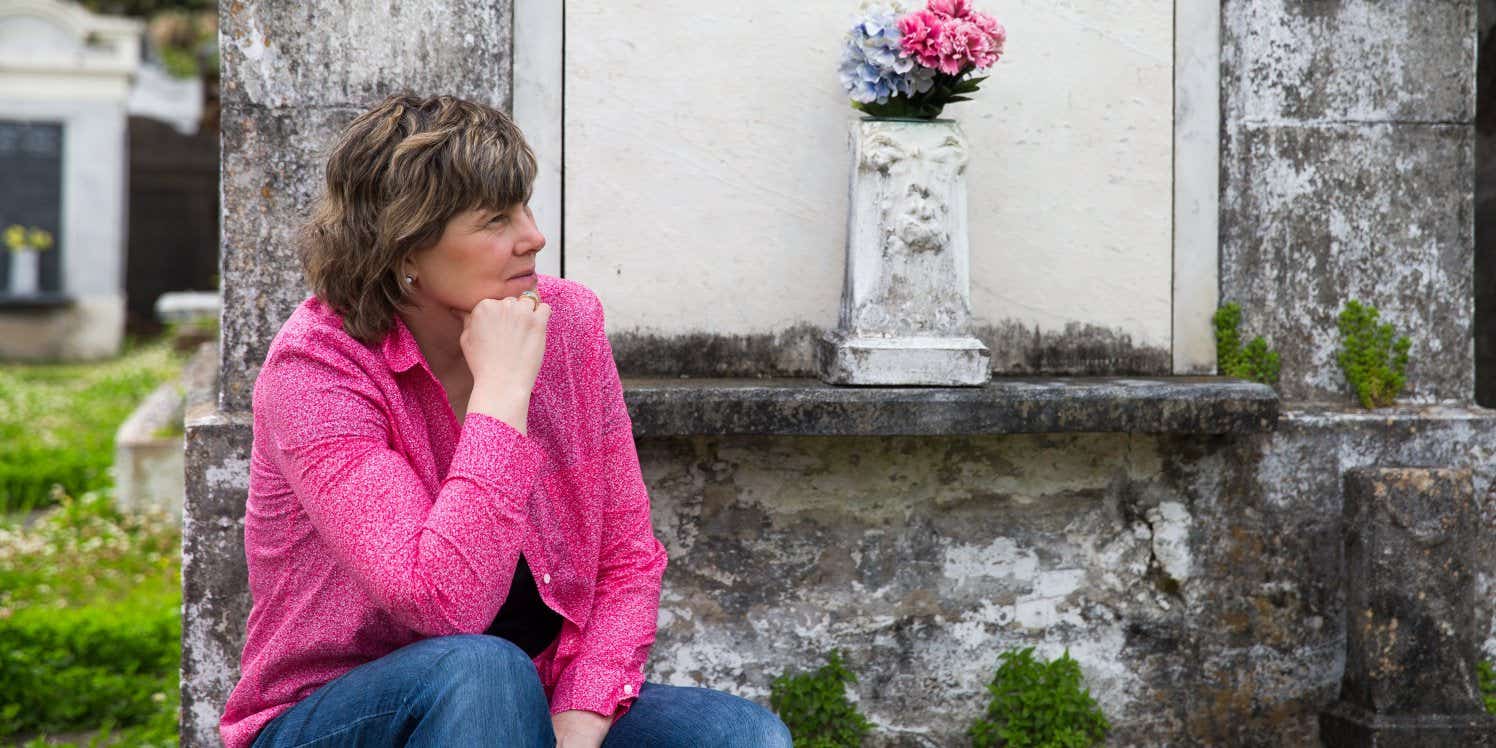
409 279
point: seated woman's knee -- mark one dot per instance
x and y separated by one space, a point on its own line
749 724
769 730
482 658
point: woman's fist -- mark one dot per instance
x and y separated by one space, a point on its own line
503 341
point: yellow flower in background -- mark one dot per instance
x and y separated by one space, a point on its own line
19 239
15 238
41 239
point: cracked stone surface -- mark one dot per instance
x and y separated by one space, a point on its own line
1347 159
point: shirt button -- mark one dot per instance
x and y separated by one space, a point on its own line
628 688
546 579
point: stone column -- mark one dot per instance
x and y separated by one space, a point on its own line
1411 638
1347 163
293 75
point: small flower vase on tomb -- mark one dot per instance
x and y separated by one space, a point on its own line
25 271
906 299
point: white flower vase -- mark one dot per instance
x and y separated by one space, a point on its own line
906 298
25 272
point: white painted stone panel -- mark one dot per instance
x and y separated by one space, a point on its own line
706 170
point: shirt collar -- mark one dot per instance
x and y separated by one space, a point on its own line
399 347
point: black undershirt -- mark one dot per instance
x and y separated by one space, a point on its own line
524 618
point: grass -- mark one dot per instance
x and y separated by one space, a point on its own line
90 597
90 604
57 421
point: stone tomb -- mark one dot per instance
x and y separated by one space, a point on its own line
65 77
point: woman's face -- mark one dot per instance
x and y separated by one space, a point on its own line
482 254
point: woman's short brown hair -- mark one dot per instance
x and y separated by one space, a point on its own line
395 177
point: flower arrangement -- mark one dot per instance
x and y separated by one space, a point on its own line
899 63
19 239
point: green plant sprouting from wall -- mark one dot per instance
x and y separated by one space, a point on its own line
1374 360
1255 361
1039 704
815 707
1485 675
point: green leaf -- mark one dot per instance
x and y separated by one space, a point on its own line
1374 364
815 707
970 84
1035 703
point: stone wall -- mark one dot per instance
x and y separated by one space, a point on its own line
746 185
1347 170
1196 579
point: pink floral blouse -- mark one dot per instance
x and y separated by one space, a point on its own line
375 519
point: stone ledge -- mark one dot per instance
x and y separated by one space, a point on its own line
1006 405
41 301
1313 413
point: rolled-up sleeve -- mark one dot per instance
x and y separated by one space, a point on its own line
608 671
437 564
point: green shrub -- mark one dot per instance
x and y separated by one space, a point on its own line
1040 704
108 661
1374 363
815 708
1256 361
1486 678
89 608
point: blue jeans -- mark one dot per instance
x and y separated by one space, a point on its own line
479 690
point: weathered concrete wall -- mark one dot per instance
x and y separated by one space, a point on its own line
1197 580
1347 163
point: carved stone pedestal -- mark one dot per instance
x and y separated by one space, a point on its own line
906 300
1411 643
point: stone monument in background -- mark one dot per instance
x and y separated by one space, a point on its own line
65 79
1412 643
906 300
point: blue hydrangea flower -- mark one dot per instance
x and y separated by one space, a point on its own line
873 68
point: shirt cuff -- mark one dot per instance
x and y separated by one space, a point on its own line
604 690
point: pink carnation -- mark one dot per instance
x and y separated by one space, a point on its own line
990 25
919 34
950 8
949 36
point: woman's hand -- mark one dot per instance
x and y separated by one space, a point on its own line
579 728
503 341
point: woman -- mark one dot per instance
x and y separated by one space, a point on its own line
447 533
